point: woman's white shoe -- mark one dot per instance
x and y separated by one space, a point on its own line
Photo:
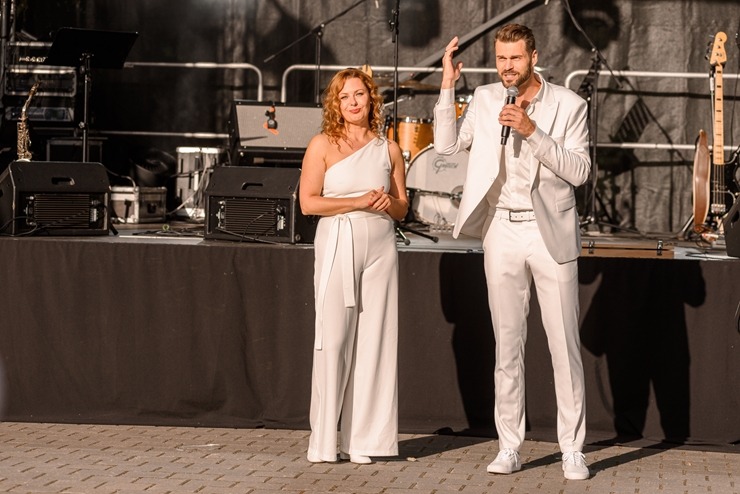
359 459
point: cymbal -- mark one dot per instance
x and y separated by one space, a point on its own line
413 84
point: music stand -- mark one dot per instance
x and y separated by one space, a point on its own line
88 49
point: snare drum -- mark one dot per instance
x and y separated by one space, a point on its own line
435 184
414 135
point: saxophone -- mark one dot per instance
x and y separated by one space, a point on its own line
24 139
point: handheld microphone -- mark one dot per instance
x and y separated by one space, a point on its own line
511 94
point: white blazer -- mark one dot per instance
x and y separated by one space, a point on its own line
559 146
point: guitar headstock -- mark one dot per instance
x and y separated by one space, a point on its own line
718 56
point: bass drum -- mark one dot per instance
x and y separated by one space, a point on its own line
435 185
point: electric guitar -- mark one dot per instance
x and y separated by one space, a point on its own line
715 188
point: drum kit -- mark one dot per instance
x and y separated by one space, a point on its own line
434 182
194 168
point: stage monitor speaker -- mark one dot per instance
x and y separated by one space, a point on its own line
731 225
247 203
54 198
271 134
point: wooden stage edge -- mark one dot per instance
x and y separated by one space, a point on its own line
594 244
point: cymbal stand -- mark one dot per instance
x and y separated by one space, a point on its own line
393 24
589 87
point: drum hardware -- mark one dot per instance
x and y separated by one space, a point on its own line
194 168
400 98
461 104
440 225
454 196
401 228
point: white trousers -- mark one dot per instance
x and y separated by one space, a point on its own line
514 254
354 379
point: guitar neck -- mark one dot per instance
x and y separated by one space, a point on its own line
718 155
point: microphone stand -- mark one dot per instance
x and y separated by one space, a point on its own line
393 23
589 86
318 31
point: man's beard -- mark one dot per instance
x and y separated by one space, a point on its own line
525 76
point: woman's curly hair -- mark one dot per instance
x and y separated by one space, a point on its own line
333 122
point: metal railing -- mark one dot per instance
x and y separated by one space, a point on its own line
647 74
205 65
189 65
379 68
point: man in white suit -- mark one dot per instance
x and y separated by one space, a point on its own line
528 142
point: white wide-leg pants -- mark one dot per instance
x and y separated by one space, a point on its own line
355 354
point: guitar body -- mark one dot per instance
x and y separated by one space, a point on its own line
702 178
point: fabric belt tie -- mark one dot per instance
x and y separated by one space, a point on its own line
339 240
514 215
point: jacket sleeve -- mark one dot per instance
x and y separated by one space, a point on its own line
566 156
447 140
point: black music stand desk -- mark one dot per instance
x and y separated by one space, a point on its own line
89 49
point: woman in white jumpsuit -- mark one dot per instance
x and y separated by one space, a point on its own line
354 179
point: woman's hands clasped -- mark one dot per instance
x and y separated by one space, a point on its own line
376 200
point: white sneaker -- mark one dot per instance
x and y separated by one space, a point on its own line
574 466
507 461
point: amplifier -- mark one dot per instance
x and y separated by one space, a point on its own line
50 114
54 198
138 204
731 225
263 133
28 52
70 149
245 203
54 81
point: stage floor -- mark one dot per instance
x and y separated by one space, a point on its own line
417 238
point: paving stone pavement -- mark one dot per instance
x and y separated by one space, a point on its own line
121 459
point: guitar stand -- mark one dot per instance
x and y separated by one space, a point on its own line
687 230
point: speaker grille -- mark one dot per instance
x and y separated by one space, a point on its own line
54 198
252 217
63 211
245 203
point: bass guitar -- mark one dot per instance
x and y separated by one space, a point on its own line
714 187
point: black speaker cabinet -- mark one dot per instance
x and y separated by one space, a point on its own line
258 204
264 133
731 225
54 198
